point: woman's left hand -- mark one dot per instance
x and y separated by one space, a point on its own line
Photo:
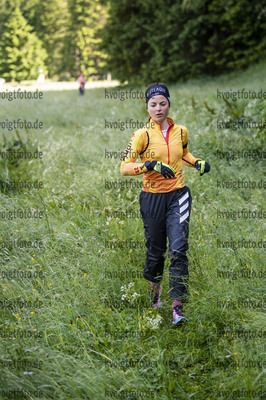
202 166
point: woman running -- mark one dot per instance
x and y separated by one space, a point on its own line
165 201
81 79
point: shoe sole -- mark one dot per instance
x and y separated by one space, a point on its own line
180 320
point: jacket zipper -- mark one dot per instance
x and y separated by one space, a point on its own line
167 141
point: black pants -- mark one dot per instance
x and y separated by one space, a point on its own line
167 215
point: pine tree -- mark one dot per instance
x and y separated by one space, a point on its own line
50 19
21 52
173 40
239 34
2 15
82 51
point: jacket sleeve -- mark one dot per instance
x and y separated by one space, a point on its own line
188 159
133 150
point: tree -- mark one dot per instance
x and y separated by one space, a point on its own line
82 51
239 34
50 20
173 40
21 52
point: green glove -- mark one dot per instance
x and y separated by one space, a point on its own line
160 167
202 166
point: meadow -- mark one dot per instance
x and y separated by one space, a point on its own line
66 332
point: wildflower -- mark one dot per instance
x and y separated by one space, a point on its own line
154 323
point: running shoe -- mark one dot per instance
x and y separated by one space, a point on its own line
178 315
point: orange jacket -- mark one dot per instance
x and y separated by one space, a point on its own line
150 145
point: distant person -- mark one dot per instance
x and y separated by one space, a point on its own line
41 77
165 201
81 79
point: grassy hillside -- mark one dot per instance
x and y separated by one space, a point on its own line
66 333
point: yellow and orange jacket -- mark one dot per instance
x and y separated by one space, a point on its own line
150 145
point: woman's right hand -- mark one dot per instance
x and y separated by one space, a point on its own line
165 170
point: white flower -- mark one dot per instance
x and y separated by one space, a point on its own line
153 323
135 295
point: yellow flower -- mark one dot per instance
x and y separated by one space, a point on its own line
32 313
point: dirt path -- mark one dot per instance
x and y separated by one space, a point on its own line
48 85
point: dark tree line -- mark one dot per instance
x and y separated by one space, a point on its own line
175 40
137 41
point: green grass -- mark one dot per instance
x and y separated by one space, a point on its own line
80 335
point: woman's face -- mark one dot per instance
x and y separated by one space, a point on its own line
158 108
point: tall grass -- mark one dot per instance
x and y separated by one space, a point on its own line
74 325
